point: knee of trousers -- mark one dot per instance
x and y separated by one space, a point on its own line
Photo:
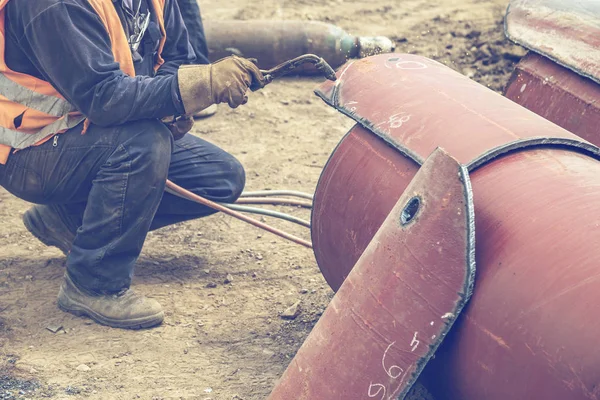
236 178
149 145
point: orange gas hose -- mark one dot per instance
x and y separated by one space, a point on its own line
274 201
201 200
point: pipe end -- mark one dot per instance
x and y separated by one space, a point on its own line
373 45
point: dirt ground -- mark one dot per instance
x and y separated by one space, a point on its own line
224 340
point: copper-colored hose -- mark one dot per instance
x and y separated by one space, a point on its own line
274 200
198 199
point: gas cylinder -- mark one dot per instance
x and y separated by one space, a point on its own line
274 42
530 330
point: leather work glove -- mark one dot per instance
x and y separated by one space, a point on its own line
225 81
178 126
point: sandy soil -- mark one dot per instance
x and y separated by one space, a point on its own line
224 341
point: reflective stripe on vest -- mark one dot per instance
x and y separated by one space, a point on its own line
31 109
22 140
57 107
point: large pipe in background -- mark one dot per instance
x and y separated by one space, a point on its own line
530 330
560 77
558 94
274 42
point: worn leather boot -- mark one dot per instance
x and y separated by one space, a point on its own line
127 310
45 223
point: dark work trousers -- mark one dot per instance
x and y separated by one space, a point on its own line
108 185
190 11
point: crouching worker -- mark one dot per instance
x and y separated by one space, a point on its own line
85 86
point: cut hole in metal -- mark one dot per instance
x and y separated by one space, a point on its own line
410 210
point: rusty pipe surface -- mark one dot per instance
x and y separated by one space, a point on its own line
567 32
530 330
386 346
558 94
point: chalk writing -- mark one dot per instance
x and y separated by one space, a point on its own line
415 343
397 120
398 62
394 371
351 103
380 389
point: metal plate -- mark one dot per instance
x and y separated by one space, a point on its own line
566 31
414 105
399 301
528 332
402 98
557 94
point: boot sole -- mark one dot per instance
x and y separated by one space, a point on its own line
81 310
39 235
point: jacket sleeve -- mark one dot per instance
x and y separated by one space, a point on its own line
177 50
69 44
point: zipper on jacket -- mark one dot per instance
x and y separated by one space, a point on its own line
55 141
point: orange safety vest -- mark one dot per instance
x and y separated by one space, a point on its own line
31 109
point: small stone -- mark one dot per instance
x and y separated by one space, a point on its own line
54 328
211 285
469 73
303 291
83 368
228 279
259 256
291 312
207 271
472 34
254 274
268 352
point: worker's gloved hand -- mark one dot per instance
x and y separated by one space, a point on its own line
225 81
178 126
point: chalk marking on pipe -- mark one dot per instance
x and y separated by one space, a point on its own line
352 109
415 343
389 370
376 385
403 64
339 80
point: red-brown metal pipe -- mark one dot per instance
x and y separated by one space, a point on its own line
399 301
530 330
560 78
558 94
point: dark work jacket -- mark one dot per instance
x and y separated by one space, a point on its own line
64 42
